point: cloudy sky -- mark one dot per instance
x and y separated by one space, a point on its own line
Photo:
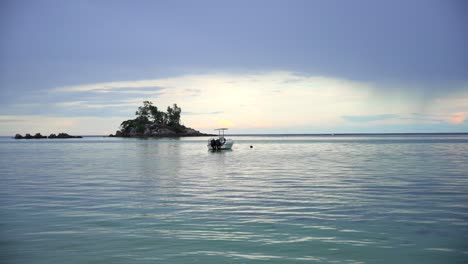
255 66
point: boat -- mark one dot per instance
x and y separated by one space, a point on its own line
220 143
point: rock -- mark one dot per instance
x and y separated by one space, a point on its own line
160 130
191 131
38 135
147 132
65 135
132 132
165 132
153 126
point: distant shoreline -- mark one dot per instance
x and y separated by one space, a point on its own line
40 136
309 134
354 134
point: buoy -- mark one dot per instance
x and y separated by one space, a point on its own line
251 146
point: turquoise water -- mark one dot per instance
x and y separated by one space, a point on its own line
302 199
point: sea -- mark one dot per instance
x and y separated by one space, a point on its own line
271 199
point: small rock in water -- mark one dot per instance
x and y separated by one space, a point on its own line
38 135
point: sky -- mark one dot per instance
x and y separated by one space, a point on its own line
256 66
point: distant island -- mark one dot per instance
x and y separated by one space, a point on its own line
150 122
38 136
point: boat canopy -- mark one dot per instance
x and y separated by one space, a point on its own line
219 131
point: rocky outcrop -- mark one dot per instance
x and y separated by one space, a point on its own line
38 136
63 135
151 122
158 130
28 136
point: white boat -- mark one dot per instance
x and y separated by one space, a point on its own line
221 143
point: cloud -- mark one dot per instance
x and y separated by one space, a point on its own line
424 118
274 98
369 118
457 118
107 86
12 120
224 123
52 124
263 100
206 113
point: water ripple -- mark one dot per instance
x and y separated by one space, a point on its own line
305 199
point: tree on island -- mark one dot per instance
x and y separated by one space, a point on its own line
150 113
150 121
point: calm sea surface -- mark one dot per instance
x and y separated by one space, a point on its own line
289 199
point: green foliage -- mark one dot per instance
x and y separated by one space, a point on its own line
173 115
149 114
140 128
145 110
127 125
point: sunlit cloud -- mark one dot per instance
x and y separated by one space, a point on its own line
66 123
225 123
457 118
276 98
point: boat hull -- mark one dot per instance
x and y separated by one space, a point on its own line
227 145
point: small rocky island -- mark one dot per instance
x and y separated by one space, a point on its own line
150 122
38 136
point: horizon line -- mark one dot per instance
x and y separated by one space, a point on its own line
315 134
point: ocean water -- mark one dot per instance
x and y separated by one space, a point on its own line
289 199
